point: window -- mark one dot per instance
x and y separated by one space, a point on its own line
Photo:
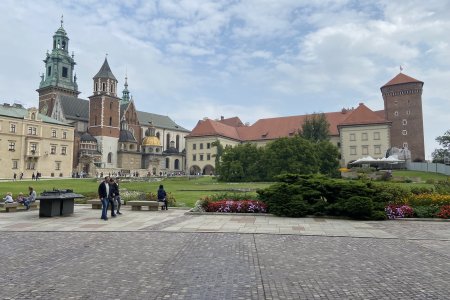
63 150
395 113
177 143
64 135
110 121
201 145
111 88
96 87
194 146
405 145
33 147
365 150
95 120
30 165
404 132
353 150
33 116
168 141
12 127
194 157
54 133
352 137
49 71
208 156
167 163
64 72
377 149
109 157
15 164
32 130
376 135
53 149
208 145
12 146
201 156
158 135
177 164
104 87
404 121
364 137
57 165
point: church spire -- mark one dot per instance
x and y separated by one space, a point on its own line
125 92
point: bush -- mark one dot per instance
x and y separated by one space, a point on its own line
378 215
444 212
421 190
358 207
428 200
425 211
443 187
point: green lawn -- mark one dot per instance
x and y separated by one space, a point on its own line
185 191
423 175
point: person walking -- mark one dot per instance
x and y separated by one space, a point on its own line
15 177
162 197
112 193
103 195
116 195
21 175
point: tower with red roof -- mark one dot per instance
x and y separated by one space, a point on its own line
402 97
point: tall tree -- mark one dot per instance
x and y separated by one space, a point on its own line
440 154
315 128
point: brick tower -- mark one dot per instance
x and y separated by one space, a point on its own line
104 115
59 78
402 97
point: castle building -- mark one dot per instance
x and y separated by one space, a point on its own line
31 143
357 132
109 130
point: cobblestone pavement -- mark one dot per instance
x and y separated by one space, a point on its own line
170 255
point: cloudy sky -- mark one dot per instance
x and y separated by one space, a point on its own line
190 59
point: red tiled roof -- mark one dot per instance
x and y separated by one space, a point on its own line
401 78
363 115
211 127
235 121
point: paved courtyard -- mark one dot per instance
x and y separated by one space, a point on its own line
171 255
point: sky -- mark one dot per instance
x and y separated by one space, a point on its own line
254 59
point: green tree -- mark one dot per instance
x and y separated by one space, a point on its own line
328 158
439 154
315 128
291 155
218 155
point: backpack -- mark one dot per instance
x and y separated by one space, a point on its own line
161 194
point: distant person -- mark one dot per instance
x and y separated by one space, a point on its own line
8 198
162 197
21 175
111 197
33 176
103 195
14 177
20 199
31 198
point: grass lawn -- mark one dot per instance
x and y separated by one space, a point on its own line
186 191
423 175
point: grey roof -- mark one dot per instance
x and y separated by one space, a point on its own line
19 112
171 150
75 108
87 137
126 136
105 71
158 121
123 107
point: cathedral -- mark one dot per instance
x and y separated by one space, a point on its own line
111 135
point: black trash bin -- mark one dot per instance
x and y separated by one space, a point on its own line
57 202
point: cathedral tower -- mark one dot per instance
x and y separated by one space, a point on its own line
59 77
402 97
104 114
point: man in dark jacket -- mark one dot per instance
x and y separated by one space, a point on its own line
103 195
116 195
113 189
162 197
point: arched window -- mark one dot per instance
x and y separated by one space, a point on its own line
158 135
177 164
177 143
104 86
110 121
96 86
109 157
168 141
33 116
167 163
111 88
95 120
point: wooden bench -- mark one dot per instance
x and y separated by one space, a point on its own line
34 205
9 207
96 203
152 205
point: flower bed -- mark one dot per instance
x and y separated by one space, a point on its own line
240 206
395 211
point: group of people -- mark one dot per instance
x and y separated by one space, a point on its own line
109 195
108 192
21 199
15 176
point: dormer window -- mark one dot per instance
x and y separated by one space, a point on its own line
64 72
96 87
63 45
104 86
